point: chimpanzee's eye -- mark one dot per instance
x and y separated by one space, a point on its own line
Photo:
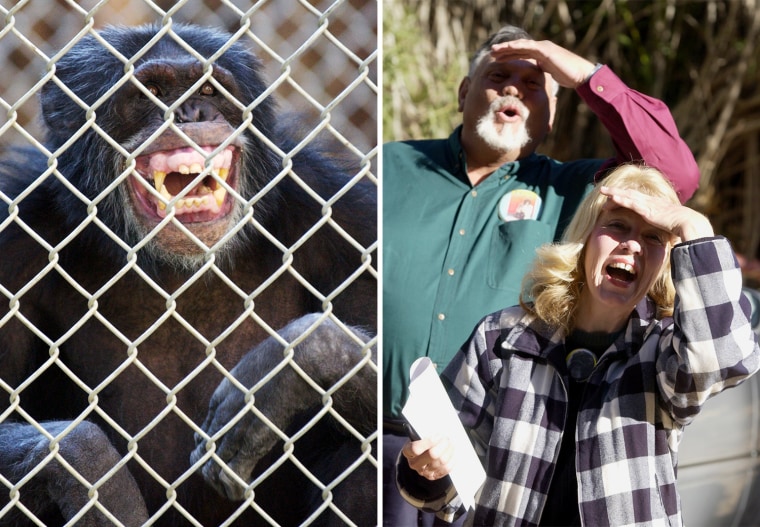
155 90
207 89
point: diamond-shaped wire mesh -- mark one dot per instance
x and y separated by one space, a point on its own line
107 345
321 71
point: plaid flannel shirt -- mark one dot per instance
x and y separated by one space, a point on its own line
508 384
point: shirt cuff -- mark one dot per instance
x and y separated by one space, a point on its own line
601 89
596 68
418 486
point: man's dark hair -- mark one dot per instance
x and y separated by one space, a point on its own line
505 34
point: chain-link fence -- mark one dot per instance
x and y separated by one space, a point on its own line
175 205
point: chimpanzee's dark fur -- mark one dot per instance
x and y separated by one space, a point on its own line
112 297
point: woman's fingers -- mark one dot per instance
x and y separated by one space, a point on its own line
679 220
429 457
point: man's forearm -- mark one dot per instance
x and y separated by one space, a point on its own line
641 128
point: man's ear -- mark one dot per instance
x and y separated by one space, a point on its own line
464 87
552 112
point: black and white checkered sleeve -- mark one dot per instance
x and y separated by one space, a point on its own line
711 345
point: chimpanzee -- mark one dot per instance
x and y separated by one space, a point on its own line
176 221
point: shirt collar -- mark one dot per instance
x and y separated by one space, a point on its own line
532 336
459 161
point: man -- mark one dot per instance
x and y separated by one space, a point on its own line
454 245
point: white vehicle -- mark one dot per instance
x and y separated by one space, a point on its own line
718 463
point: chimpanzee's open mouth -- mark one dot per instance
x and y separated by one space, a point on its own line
171 172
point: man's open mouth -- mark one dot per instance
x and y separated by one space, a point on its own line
510 111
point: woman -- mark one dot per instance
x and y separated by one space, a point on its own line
576 399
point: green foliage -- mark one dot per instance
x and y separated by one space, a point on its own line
420 87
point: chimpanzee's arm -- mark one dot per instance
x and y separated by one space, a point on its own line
86 448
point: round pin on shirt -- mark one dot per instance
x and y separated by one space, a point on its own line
520 204
580 363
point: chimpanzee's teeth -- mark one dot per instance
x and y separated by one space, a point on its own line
202 191
158 179
195 168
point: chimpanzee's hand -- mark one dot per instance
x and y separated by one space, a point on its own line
282 394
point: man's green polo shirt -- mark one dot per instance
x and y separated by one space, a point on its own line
448 257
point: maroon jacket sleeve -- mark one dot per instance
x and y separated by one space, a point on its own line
642 128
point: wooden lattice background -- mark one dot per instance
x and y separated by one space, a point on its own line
702 57
322 69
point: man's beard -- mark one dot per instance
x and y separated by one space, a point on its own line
504 140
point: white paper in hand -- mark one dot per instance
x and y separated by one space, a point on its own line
430 412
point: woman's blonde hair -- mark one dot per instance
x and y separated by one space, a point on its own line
557 277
